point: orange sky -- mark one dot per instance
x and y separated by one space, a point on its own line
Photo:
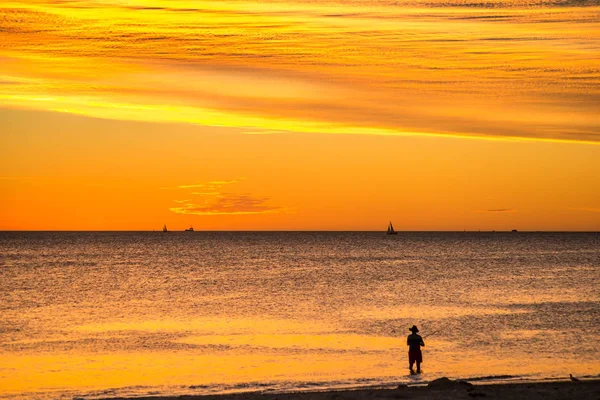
299 115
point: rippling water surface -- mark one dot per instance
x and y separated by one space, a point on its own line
127 313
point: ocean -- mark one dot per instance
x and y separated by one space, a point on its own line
96 314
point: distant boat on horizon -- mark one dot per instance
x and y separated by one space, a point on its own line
190 229
390 229
165 228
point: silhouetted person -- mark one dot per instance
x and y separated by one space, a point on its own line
414 343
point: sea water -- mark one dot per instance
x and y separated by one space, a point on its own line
130 313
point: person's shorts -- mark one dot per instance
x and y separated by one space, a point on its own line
415 355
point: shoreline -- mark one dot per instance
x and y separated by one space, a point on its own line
439 389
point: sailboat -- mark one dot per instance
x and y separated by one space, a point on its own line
390 230
165 228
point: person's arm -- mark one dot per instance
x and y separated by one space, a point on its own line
422 342
408 340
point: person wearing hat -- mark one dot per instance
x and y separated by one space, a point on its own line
414 343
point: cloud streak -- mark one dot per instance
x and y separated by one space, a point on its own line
435 67
586 209
214 201
212 185
497 210
229 204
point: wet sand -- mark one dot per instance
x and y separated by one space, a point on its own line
585 390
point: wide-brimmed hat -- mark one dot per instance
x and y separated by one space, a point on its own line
414 329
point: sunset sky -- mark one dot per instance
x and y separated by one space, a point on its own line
299 115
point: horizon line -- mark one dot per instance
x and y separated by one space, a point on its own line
299 230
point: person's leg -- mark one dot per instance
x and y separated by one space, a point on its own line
418 366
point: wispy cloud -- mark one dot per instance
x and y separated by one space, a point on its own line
229 204
390 68
214 201
586 209
497 210
212 185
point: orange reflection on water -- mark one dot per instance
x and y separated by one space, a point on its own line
228 351
210 325
366 357
428 312
91 371
324 341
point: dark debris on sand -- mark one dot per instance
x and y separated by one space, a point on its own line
439 389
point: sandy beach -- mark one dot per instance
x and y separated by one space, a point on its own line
440 389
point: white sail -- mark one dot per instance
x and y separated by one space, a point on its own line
390 229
